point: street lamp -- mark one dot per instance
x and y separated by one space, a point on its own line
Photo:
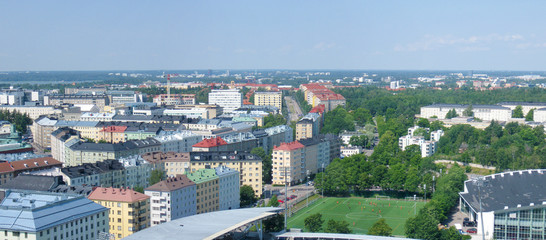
323 173
307 184
480 182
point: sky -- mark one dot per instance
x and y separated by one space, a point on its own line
313 34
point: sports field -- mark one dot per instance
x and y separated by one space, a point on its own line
360 213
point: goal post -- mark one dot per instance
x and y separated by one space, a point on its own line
414 198
380 197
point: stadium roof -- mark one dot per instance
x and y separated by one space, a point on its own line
205 226
337 236
508 190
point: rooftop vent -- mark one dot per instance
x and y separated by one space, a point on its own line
519 205
505 207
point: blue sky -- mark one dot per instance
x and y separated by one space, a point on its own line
157 35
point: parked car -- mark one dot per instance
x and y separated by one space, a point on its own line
472 230
293 196
281 201
469 223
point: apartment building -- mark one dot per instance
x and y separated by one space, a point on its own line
210 145
33 112
59 138
178 141
101 100
88 152
207 188
11 97
303 157
268 99
10 170
108 173
248 165
203 111
129 209
46 215
229 189
137 171
174 99
308 126
317 94
483 112
171 199
229 99
112 134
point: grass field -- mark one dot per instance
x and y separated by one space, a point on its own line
360 213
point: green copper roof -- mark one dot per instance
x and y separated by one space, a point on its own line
202 175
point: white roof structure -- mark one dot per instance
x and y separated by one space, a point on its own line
205 226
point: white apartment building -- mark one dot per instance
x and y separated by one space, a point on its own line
483 112
525 106
229 99
428 148
178 141
540 115
408 140
436 135
350 151
11 98
190 113
229 188
33 112
171 199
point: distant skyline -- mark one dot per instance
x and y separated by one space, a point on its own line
351 35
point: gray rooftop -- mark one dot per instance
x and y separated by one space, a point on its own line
33 182
205 226
34 211
508 189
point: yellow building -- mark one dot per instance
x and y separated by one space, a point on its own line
248 165
129 209
268 99
288 157
112 134
207 190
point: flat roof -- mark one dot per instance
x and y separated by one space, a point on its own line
205 226
507 190
307 235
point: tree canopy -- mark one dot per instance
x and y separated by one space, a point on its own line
247 196
380 228
314 222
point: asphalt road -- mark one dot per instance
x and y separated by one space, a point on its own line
294 110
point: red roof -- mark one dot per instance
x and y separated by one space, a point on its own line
117 195
329 96
114 129
211 142
288 146
318 109
34 163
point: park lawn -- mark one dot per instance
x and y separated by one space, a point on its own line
359 213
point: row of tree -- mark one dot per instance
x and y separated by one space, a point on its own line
21 121
388 168
425 224
513 147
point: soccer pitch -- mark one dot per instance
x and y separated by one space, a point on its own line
360 213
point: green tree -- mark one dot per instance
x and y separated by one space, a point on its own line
468 111
423 122
530 115
139 189
273 202
518 112
380 228
314 222
156 176
334 226
422 226
274 224
247 196
362 116
267 163
451 114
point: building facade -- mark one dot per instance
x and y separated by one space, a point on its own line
229 99
45 215
171 199
129 210
268 99
207 187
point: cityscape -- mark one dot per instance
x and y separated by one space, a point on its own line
240 120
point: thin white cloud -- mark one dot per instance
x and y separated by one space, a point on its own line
471 43
323 46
